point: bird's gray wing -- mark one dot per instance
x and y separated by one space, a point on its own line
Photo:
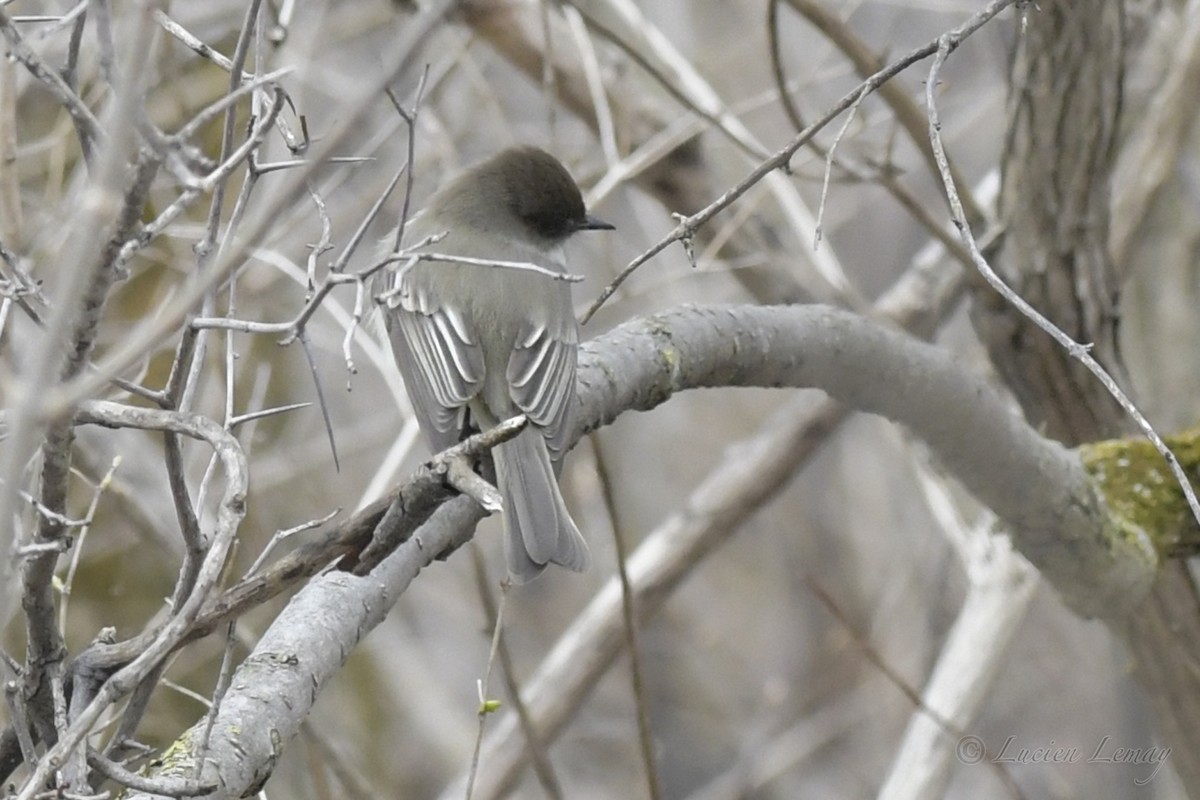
541 376
438 355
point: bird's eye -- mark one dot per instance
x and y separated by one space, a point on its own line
547 224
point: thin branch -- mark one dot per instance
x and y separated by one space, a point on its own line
1081 352
709 111
18 716
250 416
149 333
199 743
605 129
77 549
203 185
1002 586
225 102
168 787
282 536
230 513
826 279
207 52
204 247
356 238
410 509
410 121
629 618
322 246
688 225
829 159
486 705
521 266
86 124
905 108
543 768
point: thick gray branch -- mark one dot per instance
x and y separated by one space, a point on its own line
1036 484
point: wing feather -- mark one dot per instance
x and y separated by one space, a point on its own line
541 377
439 358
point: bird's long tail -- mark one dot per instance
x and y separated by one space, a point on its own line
538 530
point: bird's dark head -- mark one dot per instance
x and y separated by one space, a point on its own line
526 186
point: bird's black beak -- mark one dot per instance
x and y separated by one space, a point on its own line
591 223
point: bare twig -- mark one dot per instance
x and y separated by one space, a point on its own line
946 44
465 480
168 787
905 108
18 717
408 511
224 676
203 185
224 104
646 44
230 513
829 158
250 416
486 705
283 535
151 331
361 231
241 51
296 327
700 101
410 120
688 226
521 266
543 768
322 245
85 121
631 622
605 129
77 553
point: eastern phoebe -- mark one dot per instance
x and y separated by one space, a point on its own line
479 344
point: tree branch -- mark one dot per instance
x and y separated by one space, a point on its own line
1035 484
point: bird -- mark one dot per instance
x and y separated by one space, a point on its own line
477 344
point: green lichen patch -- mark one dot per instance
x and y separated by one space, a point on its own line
1142 493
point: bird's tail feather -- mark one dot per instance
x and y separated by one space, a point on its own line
538 530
